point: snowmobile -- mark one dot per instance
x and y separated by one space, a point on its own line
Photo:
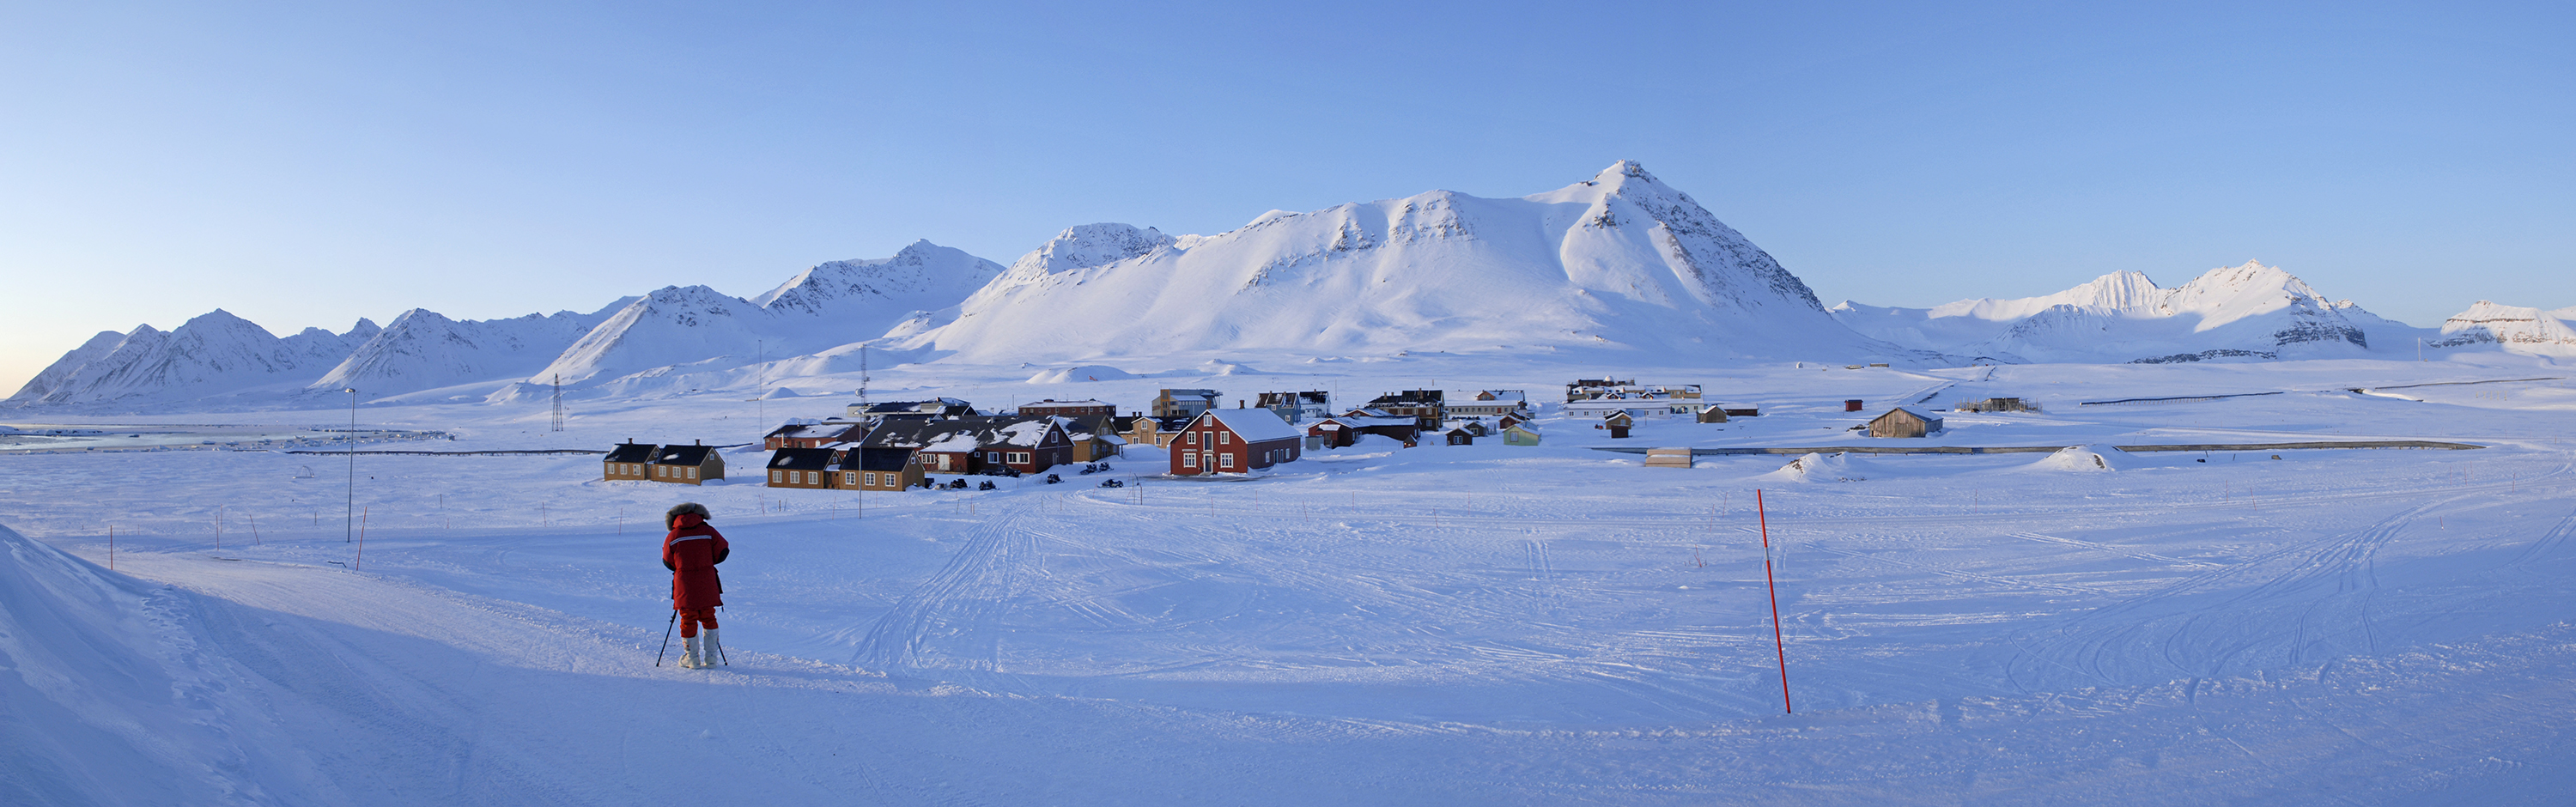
1112 483
1052 479
988 485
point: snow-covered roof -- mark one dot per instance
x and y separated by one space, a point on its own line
1255 425
1364 421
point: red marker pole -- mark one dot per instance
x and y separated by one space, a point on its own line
1777 645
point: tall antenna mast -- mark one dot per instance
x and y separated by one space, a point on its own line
863 376
559 410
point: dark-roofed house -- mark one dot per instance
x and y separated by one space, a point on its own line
937 408
880 469
1070 409
802 468
807 433
1423 405
937 446
1027 444
1903 422
1095 437
626 461
686 465
1340 431
1222 441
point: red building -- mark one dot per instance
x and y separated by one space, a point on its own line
1223 441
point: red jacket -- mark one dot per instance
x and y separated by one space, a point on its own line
691 552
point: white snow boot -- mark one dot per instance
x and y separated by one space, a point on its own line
689 658
714 649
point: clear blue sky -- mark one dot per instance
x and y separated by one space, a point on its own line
311 163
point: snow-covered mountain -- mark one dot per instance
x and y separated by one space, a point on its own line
2239 312
422 349
1619 262
829 305
2517 330
213 354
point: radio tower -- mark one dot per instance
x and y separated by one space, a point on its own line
559 402
863 377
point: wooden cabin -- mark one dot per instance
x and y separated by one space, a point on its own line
1712 415
1459 436
1520 434
802 468
1095 438
1618 422
1234 441
626 461
1903 422
686 465
1154 430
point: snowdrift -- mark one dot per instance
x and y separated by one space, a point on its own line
1087 372
109 698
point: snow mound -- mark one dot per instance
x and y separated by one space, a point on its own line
1820 467
1213 367
2073 458
1087 372
776 393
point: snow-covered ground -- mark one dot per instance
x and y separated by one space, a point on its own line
1471 625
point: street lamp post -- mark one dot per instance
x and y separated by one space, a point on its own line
349 518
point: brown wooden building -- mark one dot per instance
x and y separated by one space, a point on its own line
803 468
626 461
686 465
1903 422
887 469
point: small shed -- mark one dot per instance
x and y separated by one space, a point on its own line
1618 423
1903 422
1459 436
1668 458
1519 434
1712 415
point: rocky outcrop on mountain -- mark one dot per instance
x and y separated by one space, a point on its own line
2514 329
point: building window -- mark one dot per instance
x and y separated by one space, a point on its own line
849 478
870 478
693 472
659 470
1189 460
1225 460
1193 438
1225 438
1020 456
773 476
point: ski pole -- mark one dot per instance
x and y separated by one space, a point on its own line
666 637
720 653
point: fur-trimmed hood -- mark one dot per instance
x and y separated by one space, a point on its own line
671 518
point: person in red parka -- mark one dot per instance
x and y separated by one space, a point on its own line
691 552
